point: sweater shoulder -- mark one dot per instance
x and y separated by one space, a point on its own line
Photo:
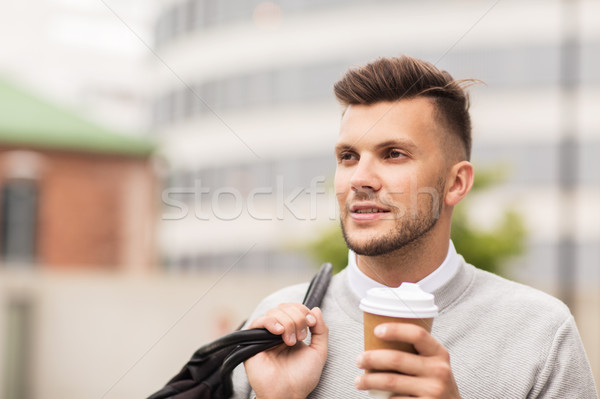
292 293
499 292
296 293
513 337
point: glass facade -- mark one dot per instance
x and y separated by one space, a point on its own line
526 67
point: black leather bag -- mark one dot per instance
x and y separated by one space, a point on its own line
207 375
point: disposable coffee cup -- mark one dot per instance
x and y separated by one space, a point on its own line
407 304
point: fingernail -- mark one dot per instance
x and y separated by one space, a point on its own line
380 330
357 382
302 335
311 319
359 360
293 338
278 327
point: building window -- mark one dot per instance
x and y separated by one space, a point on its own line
18 220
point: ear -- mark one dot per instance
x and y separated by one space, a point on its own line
460 182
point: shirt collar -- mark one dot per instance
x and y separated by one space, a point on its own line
361 283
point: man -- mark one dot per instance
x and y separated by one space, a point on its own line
402 165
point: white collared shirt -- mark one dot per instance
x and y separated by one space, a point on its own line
361 283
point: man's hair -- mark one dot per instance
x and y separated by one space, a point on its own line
398 78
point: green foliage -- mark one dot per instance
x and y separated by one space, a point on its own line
488 249
330 247
485 248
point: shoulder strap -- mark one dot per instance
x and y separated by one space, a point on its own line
313 297
318 287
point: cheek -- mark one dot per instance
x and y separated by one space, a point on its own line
399 185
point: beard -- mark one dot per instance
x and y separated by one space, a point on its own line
407 229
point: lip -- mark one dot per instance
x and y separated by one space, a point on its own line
376 213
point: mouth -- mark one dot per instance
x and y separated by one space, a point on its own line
369 210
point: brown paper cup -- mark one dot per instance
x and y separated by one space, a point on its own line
407 304
372 342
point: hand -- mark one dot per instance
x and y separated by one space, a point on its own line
293 369
426 374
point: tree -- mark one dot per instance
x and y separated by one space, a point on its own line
488 249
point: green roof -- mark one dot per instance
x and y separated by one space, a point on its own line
26 120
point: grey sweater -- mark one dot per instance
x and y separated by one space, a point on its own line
506 340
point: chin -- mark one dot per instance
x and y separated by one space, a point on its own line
367 244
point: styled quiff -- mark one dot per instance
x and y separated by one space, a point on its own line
398 78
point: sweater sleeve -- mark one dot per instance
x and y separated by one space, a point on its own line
241 387
566 372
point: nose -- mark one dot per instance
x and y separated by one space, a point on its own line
365 176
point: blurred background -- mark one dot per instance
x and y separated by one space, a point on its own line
165 164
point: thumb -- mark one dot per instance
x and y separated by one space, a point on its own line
319 338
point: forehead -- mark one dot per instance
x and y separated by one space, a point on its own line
410 120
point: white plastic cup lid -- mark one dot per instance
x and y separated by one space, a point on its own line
407 301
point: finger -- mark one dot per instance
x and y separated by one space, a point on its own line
270 323
298 314
289 326
392 360
310 319
319 338
399 384
416 335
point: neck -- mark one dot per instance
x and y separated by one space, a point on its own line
411 263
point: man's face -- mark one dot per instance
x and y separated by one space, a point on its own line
390 175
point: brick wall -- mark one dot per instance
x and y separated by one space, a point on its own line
84 212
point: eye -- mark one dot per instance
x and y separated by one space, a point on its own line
347 156
395 154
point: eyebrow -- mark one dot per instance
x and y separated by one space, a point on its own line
407 145
341 147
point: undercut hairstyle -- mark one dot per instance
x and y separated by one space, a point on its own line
401 78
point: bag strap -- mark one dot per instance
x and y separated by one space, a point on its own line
318 287
313 297
250 347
